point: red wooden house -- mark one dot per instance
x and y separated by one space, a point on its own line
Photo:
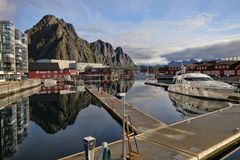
49 71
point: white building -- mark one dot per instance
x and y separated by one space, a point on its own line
235 58
82 66
62 63
72 64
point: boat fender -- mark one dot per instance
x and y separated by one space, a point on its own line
107 155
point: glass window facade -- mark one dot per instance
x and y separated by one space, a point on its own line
13 50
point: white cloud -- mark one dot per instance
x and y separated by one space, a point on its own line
153 38
7 9
158 37
153 61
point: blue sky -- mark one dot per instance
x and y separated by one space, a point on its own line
144 28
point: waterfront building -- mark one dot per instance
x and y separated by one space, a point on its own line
234 58
82 66
50 71
95 74
7 31
212 68
63 64
1 60
13 51
18 50
24 53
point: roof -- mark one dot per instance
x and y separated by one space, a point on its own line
44 67
226 62
232 64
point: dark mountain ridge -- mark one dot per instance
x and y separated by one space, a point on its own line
53 38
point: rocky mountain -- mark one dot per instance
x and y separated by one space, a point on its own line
53 38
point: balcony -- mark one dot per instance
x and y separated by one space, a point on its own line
8 59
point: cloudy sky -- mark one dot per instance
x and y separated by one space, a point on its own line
146 29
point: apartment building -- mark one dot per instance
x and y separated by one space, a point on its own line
13 51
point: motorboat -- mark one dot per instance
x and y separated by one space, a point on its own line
200 85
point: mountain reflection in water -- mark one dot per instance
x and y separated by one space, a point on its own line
53 112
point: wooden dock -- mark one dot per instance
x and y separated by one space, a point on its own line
141 121
194 139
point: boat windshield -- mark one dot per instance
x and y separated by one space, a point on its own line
198 79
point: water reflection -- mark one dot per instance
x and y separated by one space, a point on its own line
61 89
56 107
60 116
14 126
191 106
53 112
116 87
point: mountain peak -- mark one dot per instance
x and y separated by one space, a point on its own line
48 19
119 50
53 38
100 41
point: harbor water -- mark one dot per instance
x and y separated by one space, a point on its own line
52 123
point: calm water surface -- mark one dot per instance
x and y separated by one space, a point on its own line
52 123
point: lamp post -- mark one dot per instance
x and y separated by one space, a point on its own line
123 125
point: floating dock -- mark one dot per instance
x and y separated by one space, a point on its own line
164 85
196 138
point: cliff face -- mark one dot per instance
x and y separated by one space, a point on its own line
53 38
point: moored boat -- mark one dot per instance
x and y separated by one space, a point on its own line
201 85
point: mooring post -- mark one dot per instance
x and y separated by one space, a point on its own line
89 146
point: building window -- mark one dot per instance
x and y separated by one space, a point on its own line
238 72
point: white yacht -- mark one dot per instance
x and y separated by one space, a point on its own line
200 85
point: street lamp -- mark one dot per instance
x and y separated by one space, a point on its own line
123 125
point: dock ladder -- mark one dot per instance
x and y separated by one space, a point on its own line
131 133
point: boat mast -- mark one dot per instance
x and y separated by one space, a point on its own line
147 67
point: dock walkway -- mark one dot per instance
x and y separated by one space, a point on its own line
194 139
141 121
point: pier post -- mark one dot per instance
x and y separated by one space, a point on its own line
89 146
123 134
